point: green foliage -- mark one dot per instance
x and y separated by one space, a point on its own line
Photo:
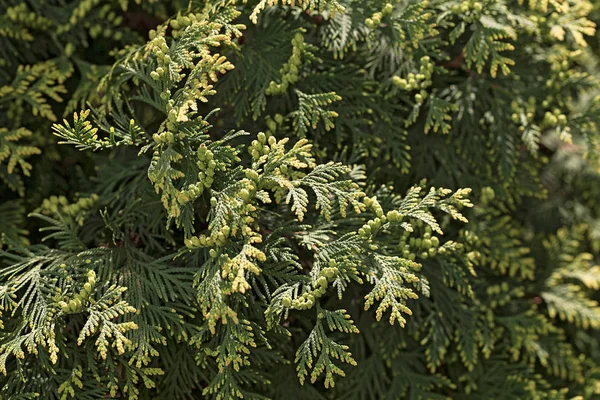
14 154
240 191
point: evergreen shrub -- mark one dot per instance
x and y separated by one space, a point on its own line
299 199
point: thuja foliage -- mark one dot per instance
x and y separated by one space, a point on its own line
232 199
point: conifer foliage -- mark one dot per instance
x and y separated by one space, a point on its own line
308 199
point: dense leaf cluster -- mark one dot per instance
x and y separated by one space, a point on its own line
299 199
